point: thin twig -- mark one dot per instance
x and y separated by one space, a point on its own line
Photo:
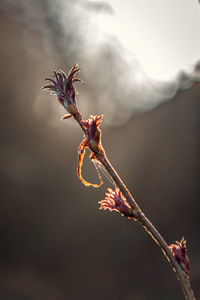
62 86
140 217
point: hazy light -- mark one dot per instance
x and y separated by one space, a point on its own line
163 35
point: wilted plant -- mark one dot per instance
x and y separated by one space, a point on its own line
120 199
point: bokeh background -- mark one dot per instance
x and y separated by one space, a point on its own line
55 242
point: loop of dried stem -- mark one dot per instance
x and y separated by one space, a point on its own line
81 154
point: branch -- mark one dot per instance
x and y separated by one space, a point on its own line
121 199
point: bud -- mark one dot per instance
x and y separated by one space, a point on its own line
179 251
115 201
63 88
93 133
93 142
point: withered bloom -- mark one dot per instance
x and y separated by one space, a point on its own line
62 87
179 251
115 201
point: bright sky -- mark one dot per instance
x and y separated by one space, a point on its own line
164 35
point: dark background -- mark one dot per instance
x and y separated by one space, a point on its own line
55 242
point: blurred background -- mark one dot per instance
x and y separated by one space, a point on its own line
55 242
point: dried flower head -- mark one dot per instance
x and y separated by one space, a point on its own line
63 88
179 251
115 201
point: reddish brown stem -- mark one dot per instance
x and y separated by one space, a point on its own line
143 220
148 226
62 86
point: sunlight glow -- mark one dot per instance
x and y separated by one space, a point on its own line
164 36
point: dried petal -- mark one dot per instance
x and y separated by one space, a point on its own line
67 116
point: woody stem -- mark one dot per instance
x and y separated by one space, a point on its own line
140 217
148 226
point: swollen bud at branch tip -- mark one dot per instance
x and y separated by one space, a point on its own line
62 87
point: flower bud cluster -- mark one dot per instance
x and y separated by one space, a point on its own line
62 87
179 251
115 201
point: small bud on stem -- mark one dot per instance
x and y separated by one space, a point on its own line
115 201
179 251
